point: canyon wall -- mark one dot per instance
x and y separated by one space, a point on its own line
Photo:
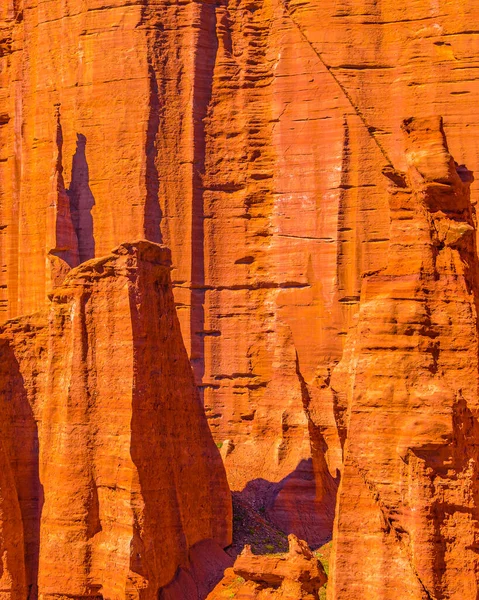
110 476
407 392
249 136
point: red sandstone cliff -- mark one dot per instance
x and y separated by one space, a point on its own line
407 522
249 136
110 478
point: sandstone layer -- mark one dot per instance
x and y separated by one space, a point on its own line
407 522
297 575
249 136
110 477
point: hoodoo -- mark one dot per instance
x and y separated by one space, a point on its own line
110 476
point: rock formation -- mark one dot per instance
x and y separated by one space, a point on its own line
110 477
297 575
407 522
249 136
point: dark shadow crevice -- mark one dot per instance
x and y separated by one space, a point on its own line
82 201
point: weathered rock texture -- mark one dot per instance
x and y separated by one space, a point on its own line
297 575
407 523
109 475
249 136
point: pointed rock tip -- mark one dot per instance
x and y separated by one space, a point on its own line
297 546
246 551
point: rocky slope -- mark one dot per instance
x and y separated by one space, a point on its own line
297 575
407 393
110 478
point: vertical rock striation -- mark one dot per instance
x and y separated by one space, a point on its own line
407 522
110 473
249 137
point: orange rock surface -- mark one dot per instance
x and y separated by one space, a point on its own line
249 136
110 476
297 575
407 523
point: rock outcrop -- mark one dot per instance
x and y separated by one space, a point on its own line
297 575
249 136
407 523
110 478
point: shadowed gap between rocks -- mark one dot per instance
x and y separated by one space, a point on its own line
207 564
159 501
20 442
291 505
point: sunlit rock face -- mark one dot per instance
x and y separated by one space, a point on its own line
110 476
407 390
249 136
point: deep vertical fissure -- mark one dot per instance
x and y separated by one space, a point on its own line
204 64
